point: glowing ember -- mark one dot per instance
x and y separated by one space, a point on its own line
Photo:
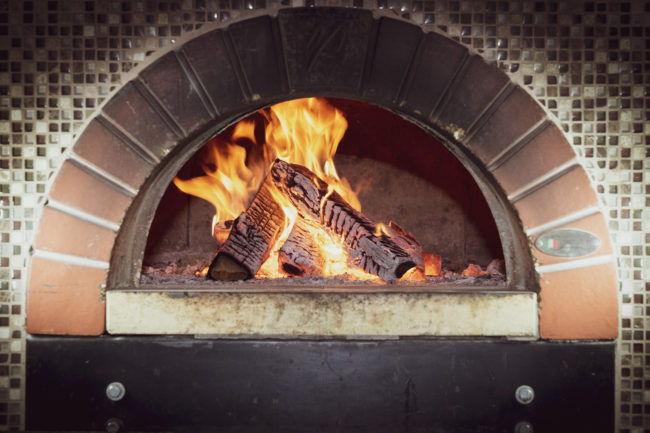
473 271
432 264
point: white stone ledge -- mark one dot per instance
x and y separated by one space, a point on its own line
326 314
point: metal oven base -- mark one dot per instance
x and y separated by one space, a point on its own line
413 385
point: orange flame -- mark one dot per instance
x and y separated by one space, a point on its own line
301 131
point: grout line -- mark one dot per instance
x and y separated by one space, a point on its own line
567 219
490 108
82 215
237 66
543 180
369 57
132 142
414 63
103 175
576 264
159 107
69 259
451 87
518 144
280 50
195 81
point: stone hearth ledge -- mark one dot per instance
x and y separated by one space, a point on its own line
327 313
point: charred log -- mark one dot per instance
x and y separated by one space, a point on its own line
300 256
385 251
251 238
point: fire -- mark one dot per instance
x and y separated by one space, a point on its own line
302 131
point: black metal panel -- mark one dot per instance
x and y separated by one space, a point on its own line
183 384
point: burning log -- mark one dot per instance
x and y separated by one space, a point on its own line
300 256
251 238
385 251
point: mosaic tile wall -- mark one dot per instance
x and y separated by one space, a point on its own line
588 62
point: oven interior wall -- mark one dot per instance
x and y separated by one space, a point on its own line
402 174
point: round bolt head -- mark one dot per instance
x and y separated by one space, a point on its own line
525 394
113 425
524 427
115 391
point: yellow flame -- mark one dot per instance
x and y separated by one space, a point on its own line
301 131
228 184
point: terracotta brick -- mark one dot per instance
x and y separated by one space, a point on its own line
257 56
474 91
105 150
208 56
434 68
74 187
333 58
595 224
579 303
134 114
566 194
64 299
500 131
549 149
171 85
395 46
65 234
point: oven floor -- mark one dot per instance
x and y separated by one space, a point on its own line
416 385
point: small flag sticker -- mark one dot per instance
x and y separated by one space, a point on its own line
551 244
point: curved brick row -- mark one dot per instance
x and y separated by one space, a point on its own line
227 72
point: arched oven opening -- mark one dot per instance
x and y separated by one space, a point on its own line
397 171
402 222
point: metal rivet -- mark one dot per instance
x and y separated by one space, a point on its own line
525 394
524 427
115 391
113 425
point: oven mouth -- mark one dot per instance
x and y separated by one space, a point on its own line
328 307
397 171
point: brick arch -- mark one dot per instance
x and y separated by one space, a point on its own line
146 131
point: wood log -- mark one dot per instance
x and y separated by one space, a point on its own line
385 251
251 238
299 256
